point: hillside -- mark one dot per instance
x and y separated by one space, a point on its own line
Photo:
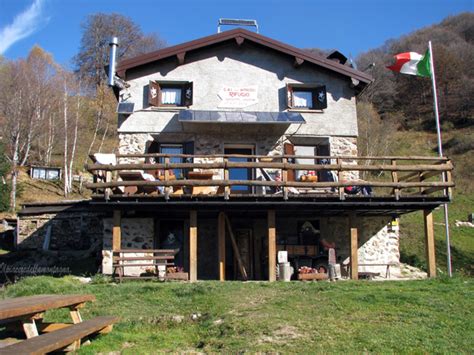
412 247
396 118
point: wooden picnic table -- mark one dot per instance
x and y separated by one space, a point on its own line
28 312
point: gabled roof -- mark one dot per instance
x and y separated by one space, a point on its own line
241 35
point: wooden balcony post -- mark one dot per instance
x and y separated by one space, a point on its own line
284 178
108 178
193 233
396 191
226 178
339 179
429 243
271 246
167 178
116 231
449 178
221 245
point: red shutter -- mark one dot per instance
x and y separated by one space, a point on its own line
289 95
320 101
289 149
188 94
154 94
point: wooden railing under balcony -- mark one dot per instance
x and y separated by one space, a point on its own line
389 176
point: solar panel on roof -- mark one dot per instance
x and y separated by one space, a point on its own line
240 117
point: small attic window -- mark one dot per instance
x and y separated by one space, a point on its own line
170 94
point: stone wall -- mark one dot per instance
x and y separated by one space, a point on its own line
68 231
346 146
137 233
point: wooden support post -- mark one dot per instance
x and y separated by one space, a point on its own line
429 243
116 231
193 233
75 314
354 254
221 232
271 246
354 247
29 327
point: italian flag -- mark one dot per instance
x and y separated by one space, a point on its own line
412 63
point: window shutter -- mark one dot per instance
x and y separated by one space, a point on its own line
154 94
289 95
188 148
289 149
320 98
188 94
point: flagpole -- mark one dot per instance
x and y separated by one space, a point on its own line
440 152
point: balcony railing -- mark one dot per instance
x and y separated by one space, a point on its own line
134 175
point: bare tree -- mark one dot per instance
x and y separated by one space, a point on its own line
97 31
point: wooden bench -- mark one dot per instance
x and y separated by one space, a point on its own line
370 275
26 314
152 259
68 337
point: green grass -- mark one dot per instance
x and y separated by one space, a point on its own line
431 316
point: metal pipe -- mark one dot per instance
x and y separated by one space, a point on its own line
112 60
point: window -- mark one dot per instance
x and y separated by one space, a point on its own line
173 149
45 173
186 148
174 94
307 97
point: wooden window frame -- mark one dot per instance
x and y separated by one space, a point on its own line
184 86
313 89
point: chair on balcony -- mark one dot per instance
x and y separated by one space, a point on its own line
139 176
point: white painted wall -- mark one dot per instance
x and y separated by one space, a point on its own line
230 65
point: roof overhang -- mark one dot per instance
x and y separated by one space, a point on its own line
239 36
240 117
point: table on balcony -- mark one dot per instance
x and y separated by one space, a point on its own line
201 175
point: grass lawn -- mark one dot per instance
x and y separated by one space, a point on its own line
431 316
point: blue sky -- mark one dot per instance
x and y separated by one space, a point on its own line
350 26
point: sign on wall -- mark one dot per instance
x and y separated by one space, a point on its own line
238 97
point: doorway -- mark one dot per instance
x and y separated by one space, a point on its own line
171 235
240 173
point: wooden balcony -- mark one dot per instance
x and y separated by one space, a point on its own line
209 178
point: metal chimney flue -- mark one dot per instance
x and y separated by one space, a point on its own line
112 60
